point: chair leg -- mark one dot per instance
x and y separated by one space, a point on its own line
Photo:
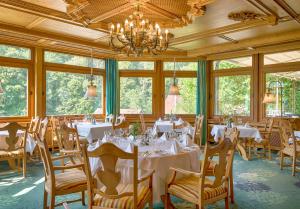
52 201
231 189
294 165
45 199
24 165
226 202
83 197
270 154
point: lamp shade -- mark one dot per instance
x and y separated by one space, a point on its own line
91 91
174 90
269 98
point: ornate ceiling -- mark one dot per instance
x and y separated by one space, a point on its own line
167 13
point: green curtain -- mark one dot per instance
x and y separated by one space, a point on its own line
202 96
112 87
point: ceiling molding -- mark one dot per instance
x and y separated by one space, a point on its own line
35 23
40 11
288 9
269 20
258 4
246 43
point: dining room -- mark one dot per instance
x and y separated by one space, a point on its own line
134 104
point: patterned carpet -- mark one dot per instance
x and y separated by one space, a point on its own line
258 184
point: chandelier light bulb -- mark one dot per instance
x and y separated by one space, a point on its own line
122 30
166 31
131 24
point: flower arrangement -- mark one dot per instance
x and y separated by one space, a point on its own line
135 129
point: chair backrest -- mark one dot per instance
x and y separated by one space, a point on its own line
109 154
68 138
16 137
109 118
224 151
46 158
34 125
43 128
143 124
288 139
123 125
120 119
198 126
270 124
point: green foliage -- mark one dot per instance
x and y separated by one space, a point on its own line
181 66
138 65
66 94
135 95
13 102
14 52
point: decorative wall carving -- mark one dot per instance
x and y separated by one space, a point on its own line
244 16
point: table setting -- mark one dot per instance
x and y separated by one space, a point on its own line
157 153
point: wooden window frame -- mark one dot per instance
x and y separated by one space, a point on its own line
142 74
64 68
251 71
274 68
29 65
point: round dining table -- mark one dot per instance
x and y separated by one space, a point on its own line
91 131
159 156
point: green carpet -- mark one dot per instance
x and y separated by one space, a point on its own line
258 184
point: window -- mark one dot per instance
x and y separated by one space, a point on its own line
181 66
14 98
232 95
65 94
15 52
185 103
282 57
232 63
289 84
70 59
135 65
135 95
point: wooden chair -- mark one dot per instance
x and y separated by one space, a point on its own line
15 145
289 146
265 130
109 118
198 126
115 194
68 141
57 184
43 127
34 125
200 188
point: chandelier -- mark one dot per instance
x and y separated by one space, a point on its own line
137 35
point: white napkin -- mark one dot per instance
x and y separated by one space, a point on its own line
175 147
180 121
159 119
247 125
130 138
129 148
163 137
187 140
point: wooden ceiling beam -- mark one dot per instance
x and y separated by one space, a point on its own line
247 43
40 11
269 20
288 9
157 10
56 37
262 7
125 7
35 23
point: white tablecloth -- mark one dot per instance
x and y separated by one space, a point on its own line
93 131
158 158
30 142
245 132
297 134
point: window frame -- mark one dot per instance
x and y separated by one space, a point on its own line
179 74
213 74
143 74
54 67
29 65
273 68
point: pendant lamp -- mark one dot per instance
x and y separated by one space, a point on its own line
174 90
91 88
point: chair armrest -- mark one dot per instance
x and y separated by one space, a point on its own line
68 167
146 176
186 172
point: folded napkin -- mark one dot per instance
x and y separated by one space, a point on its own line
180 121
159 119
247 125
187 140
130 138
175 147
129 148
163 137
